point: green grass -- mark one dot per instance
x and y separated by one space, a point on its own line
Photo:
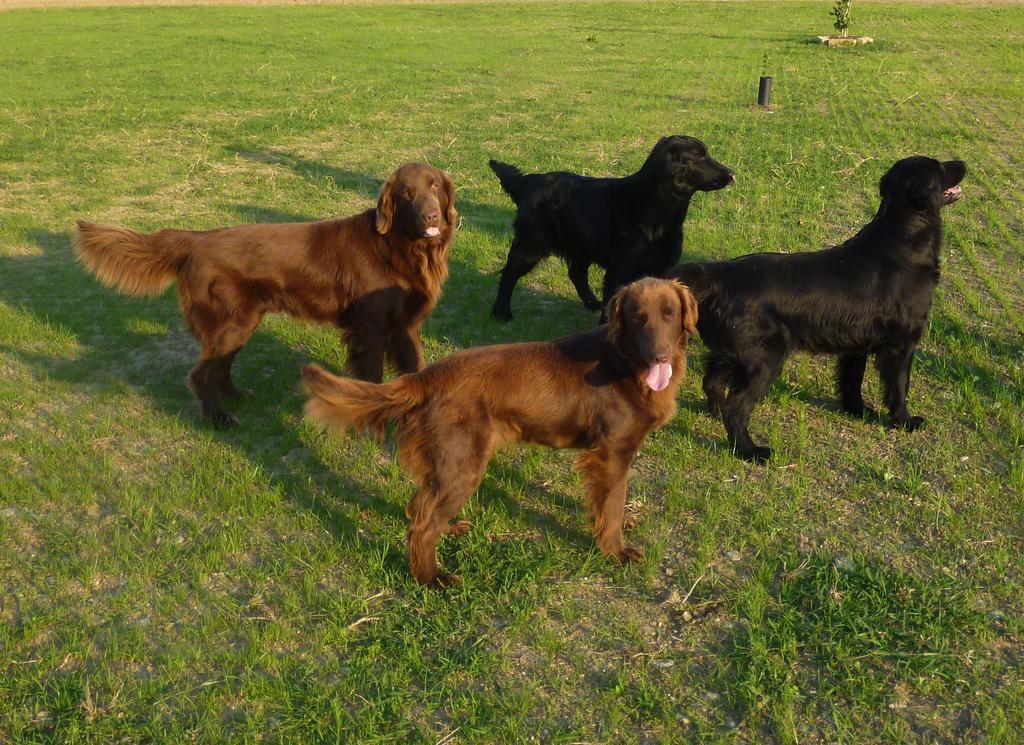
162 581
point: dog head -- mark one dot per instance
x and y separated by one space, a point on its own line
417 201
923 184
685 164
649 322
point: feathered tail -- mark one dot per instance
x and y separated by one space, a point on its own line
347 403
511 178
130 262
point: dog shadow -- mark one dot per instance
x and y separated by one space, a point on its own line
143 343
699 407
937 367
496 221
469 292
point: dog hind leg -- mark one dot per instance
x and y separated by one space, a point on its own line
579 275
449 469
226 386
522 258
716 383
220 340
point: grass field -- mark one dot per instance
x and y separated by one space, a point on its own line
161 581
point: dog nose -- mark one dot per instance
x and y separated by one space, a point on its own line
662 357
732 179
432 217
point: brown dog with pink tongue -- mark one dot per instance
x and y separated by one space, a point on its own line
601 392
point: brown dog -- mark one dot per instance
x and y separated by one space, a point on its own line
376 275
603 392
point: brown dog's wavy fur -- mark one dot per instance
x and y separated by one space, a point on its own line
132 263
355 404
376 275
587 392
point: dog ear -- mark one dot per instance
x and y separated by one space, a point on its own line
615 321
386 206
909 181
883 185
924 191
452 215
688 307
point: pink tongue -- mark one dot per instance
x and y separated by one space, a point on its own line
659 375
433 231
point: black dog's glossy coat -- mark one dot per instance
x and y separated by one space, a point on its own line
869 296
632 226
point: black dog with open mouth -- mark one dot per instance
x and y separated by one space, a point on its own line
869 296
632 226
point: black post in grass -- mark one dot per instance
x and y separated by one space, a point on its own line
764 91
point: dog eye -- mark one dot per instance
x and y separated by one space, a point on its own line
407 194
433 187
668 312
641 318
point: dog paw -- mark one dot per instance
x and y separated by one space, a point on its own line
459 527
442 581
593 305
501 314
628 555
223 420
756 454
910 424
861 411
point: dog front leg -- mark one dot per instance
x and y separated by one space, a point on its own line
849 381
749 384
894 371
404 351
604 473
366 355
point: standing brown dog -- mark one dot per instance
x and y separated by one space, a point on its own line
602 391
376 275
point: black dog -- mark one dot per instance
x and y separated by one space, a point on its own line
870 295
632 226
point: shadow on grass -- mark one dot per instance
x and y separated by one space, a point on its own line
495 220
122 342
478 289
943 369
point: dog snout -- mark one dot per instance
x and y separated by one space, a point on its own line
731 179
429 210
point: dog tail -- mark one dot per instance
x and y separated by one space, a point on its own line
346 403
130 262
511 178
